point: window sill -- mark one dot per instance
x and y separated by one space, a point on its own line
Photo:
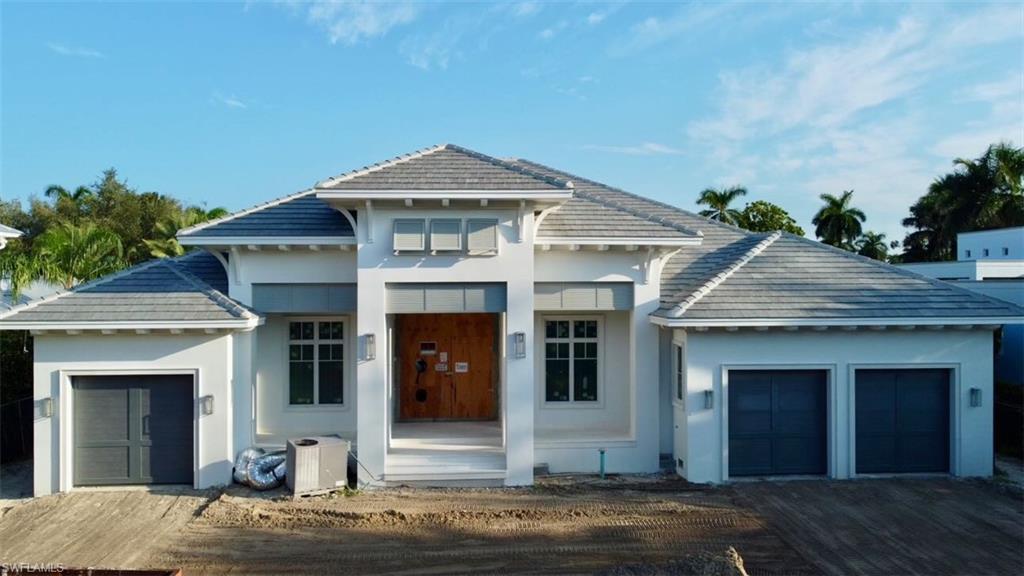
597 405
317 408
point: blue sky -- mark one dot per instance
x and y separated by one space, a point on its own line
235 103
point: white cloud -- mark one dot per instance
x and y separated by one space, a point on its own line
432 51
653 31
859 112
595 18
229 101
551 31
78 51
523 9
643 149
350 22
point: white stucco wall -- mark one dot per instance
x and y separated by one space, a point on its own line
272 266
276 419
57 357
968 353
378 266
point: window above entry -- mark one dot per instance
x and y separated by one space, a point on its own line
448 236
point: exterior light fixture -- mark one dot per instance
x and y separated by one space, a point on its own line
206 405
975 397
709 399
520 344
370 341
42 408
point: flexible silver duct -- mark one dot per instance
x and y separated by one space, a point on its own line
262 473
242 461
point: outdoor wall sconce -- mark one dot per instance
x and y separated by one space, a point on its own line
709 399
370 341
43 408
520 344
975 397
206 405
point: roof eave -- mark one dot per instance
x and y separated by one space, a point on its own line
241 324
838 322
204 240
497 195
620 241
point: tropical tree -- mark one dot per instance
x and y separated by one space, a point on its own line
762 216
165 244
68 255
872 245
837 222
718 200
978 194
69 203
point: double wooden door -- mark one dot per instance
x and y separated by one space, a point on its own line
447 366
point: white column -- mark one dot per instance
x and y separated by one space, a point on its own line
519 382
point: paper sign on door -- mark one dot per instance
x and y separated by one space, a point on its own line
442 357
461 367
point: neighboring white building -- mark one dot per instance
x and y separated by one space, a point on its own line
7 233
990 262
464 318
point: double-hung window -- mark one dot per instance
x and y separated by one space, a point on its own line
316 365
571 360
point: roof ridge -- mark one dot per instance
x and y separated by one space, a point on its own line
635 196
902 271
83 286
381 165
345 176
244 212
722 276
563 182
216 296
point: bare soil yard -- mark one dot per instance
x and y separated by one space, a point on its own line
621 526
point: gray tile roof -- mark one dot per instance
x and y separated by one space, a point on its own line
737 274
184 289
299 215
9 232
583 218
444 167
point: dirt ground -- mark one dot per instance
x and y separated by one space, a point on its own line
633 525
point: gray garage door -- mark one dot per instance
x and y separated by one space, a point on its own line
777 422
902 420
133 430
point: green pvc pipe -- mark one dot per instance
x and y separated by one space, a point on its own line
602 462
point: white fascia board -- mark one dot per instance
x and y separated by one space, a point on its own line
265 240
752 322
240 324
360 195
618 241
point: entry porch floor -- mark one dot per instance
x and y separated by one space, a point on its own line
425 452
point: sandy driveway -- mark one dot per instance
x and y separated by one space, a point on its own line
556 527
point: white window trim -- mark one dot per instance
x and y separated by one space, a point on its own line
492 222
346 362
572 403
679 373
462 232
424 232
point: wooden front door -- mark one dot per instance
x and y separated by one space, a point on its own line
446 366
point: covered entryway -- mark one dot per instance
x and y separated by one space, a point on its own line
777 422
133 429
447 366
902 420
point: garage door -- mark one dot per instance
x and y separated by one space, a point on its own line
902 420
132 430
777 422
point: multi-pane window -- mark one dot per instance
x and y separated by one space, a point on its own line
570 360
680 372
316 365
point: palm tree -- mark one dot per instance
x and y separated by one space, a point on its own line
75 200
19 268
166 245
872 245
718 201
837 222
69 254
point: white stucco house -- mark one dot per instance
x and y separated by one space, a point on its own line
463 318
990 262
